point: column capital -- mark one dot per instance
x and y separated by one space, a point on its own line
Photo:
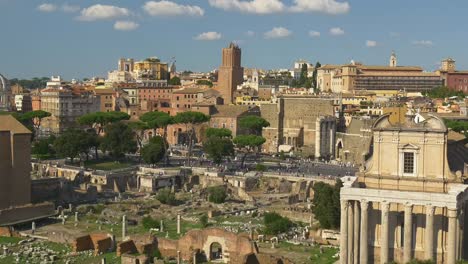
408 208
344 204
364 204
385 206
430 209
452 212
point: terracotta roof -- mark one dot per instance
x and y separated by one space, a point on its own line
389 68
9 123
189 90
329 66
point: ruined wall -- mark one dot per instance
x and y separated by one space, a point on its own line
60 191
352 148
82 243
126 247
260 258
234 246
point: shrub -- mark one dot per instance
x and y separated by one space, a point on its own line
217 194
148 222
276 224
204 220
165 196
260 167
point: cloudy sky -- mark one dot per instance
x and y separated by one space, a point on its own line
84 38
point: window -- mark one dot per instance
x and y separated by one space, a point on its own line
408 163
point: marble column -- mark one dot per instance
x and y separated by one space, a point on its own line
357 213
363 254
384 208
350 232
408 235
178 224
344 232
124 227
429 233
452 236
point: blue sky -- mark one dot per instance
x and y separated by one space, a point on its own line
85 38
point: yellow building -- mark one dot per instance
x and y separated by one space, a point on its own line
151 68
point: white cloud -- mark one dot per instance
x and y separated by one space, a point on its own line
250 33
253 6
211 35
277 32
70 8
426 43
168 8
371 43
46 7
314 34
103 12
336 31
125 25
332 7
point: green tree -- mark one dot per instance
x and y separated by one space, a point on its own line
314 76
165 196
159 120
99 120
217 194
326 204
303 77
218 144
253 124
217 148
34 118
443 92
43 147
276 224
153 152
248 144
218 132
118 140
205 82
457 126
71 143
174 81
190 119
260 167
138 129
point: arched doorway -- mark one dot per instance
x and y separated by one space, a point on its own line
339 150
216 251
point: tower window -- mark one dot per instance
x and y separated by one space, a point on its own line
408 162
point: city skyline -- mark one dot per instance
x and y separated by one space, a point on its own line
78 39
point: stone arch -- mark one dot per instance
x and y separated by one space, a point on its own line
211 240
216 251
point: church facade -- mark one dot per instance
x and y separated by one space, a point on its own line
409 200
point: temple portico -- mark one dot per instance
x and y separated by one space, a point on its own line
406 203
405 229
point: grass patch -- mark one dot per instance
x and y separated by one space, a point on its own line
106 165
326 257
7 240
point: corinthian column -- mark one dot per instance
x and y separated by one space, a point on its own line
344 232
384 207
429 238
452 236
364 220
357 213
350 232
408 233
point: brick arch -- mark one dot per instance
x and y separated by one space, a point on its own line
214 239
